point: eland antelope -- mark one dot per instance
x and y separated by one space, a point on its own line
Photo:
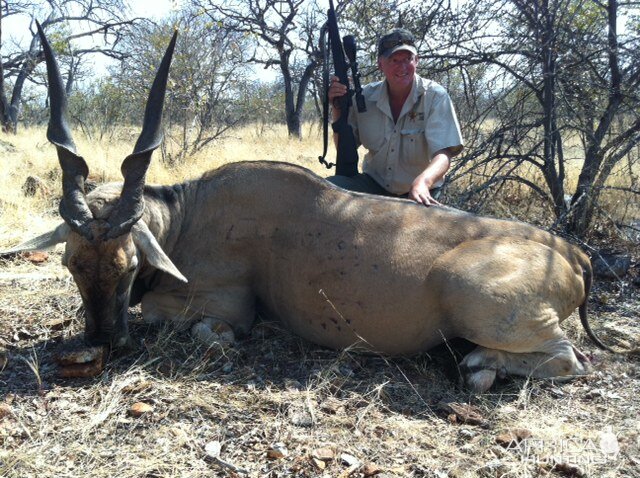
339 268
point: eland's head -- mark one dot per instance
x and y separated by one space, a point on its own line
106 242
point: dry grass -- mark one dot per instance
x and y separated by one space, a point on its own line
272 388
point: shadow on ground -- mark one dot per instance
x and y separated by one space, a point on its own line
270 358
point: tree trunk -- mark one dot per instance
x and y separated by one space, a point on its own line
552 139
10 114
294 109
16 96
294 125
292 119
585 198
5 107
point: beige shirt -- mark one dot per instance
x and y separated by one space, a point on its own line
398 152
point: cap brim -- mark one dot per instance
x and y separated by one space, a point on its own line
409 48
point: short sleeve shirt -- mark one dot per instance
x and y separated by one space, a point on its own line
397 152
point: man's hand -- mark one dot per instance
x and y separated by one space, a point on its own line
420 193
336 90
432 175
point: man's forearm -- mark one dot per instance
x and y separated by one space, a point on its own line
437 168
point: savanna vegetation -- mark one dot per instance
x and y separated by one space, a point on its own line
541 87
547 94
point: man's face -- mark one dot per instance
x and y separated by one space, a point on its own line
399 69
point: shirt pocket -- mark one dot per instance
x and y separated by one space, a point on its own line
414 146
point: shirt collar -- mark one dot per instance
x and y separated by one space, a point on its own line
380 95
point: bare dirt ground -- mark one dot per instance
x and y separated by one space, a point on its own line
273 405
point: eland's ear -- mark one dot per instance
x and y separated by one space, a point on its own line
143 239
43 241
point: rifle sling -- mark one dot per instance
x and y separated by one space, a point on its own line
325 105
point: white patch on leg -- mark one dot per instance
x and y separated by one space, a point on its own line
212 331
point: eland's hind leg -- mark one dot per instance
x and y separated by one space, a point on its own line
509 295
528 343
559 359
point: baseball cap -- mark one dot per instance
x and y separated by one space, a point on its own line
396 40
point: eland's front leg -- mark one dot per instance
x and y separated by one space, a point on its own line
213 317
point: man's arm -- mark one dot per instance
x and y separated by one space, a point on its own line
433 173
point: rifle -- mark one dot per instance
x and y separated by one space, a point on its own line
347 151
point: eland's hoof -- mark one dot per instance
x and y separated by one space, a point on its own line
210 333
478 380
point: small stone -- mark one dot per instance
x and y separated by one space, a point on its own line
319 464
213 449
508 410
467 448
58 323
301 418
494 465
277 451
371 469
35 257
467 434
140 408
504 439
81 370
379 431
324 454
349 460
462 413
566 469
77 360
511 438
76 352
332 406
594 393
